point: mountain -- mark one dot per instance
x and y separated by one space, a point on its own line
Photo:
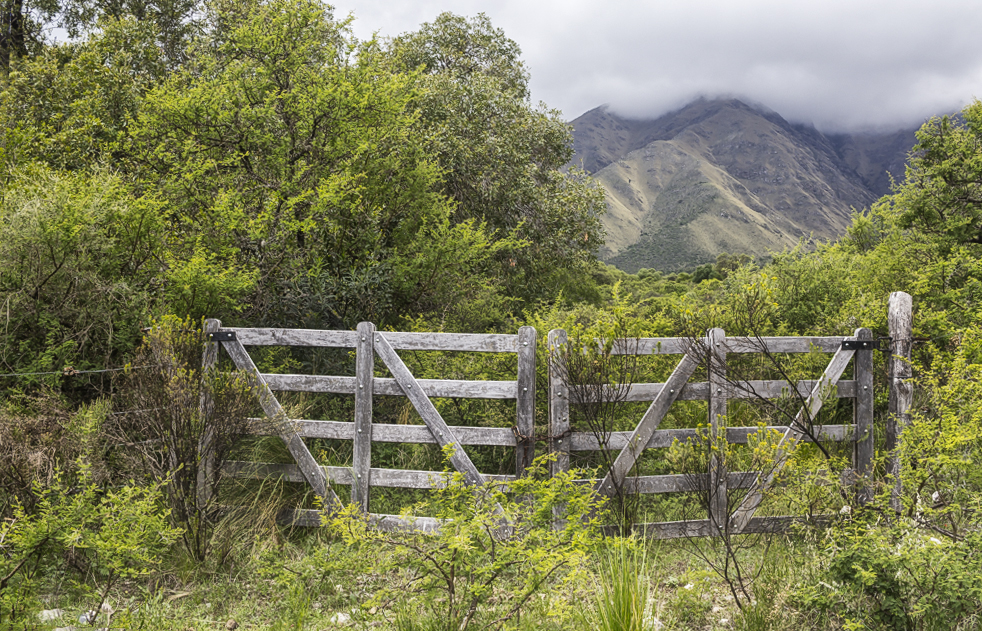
724 176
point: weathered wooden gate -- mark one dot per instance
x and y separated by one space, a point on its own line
717 390
369 343
711 352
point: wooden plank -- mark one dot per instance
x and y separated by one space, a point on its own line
677 346
390 478
900 320
678 482
295 337
774 389
311 470
206 459
767 389
362 446
716 352
649 423
437 388
311 383
311 518
525 405
705 528
559 443
467 342
663 438
648 346
863 415
822 390
505 437
783 344
406 478
438 427
384 433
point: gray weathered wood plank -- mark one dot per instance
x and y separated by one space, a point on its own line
648 424
467 342
311 518
648 346
438 427
436 388
362 446
386 433
705 528
767 389
663 438
900 321
525 405
391 478
294 337
472 342
294 443
783 344
822 390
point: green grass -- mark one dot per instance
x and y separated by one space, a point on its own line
309 581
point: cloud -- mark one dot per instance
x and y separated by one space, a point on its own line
840 64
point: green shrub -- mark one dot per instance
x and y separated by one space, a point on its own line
496 547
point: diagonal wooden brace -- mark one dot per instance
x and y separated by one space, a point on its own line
822 390
649 423
312 471
437 426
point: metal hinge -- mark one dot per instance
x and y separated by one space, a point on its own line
860 345
221 336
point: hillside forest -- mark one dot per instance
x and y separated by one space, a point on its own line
254 162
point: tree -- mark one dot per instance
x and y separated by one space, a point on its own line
70 106
942 192
23 22
502 158
287 151
78 263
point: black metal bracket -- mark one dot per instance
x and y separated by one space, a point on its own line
221 336
860 345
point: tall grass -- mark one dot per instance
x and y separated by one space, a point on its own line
624 593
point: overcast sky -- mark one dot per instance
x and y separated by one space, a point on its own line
839 64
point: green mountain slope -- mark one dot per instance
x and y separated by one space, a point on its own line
721 176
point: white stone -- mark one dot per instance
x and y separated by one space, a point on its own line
50 614
340 618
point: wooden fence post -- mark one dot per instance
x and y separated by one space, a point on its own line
558 411
558 404
361 459
716 368
863 413
206 407
525 405
900 319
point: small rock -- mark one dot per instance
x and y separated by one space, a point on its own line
373 611
316 605
724 621
88 617
232 625
340 618
50 614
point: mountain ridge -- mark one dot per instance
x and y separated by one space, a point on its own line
721 175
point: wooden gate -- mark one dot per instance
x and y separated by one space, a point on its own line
362 430
710 352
